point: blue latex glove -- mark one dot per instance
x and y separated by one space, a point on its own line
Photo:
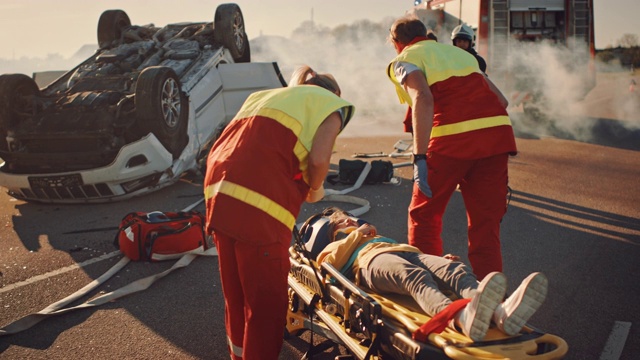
420 176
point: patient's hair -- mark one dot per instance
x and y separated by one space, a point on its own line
305 75
337 215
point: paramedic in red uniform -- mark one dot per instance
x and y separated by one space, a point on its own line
273 156
462 135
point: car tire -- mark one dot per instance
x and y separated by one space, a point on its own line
246 55
17 92
229 31
162 107
110 27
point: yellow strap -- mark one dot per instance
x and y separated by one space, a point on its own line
252 198
470 125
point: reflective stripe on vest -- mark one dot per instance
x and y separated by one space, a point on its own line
469 125
252 198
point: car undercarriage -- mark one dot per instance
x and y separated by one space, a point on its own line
136 83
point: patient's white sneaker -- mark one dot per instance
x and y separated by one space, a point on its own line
511 315
475 318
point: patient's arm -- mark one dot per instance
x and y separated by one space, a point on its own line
367 230
338 252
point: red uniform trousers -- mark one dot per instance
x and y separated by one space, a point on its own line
254 283
483 184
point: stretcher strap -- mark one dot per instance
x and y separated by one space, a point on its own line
439 322
364 204
57 308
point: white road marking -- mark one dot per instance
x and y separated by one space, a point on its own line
615 343
190 207
59 271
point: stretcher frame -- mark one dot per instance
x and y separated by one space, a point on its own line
372 326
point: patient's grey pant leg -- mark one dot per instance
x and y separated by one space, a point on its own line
455 274
404 273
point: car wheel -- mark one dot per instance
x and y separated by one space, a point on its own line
161 107
110 27
17 101
246 55
229 30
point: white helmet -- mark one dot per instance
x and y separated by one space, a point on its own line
463 32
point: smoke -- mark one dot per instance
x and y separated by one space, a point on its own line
28 66
572 101
357 55
569 99
51 62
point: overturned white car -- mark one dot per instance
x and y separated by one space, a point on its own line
133 117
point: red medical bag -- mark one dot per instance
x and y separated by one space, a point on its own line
157 236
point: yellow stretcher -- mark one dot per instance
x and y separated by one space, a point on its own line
372 326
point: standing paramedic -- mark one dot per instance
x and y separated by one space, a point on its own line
462 136
273 155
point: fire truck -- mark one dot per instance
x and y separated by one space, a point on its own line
507 29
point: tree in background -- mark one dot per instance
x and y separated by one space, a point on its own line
627 53
628 41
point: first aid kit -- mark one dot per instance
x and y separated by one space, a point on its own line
158 236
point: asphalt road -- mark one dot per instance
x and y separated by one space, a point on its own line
573 215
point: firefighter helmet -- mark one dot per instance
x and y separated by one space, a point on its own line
463 32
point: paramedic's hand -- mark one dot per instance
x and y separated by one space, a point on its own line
420 174
315 195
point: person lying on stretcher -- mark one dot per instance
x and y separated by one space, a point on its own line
386 266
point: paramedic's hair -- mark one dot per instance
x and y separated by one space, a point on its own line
305 75
407 28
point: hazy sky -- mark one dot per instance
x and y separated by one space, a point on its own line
35 28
